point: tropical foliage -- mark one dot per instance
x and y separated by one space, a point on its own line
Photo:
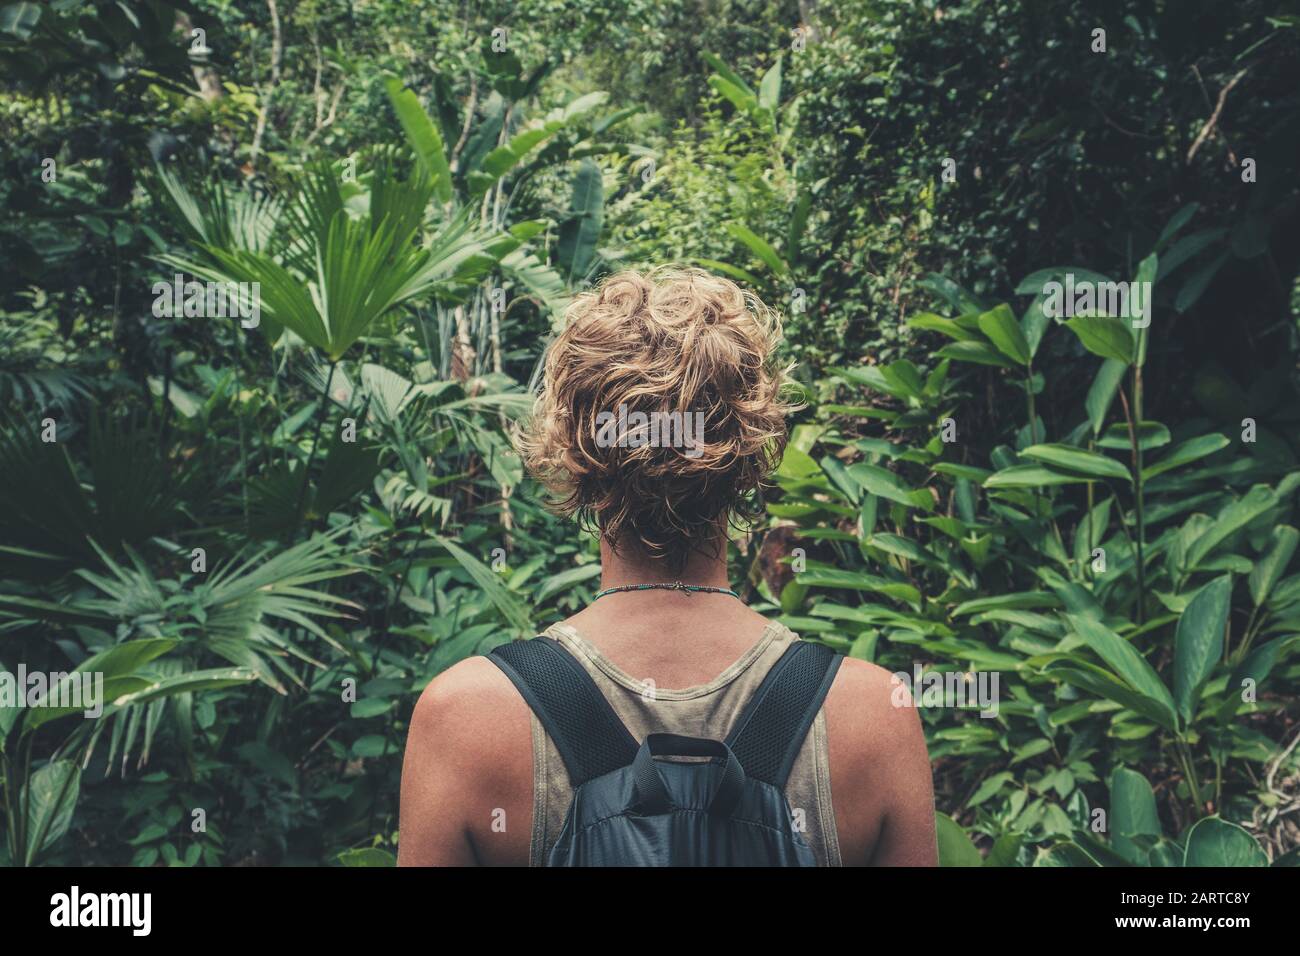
266 533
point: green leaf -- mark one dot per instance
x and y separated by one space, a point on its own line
423 135
51 797
1198 642
1270 567
578 235
1031 476
769 88
1103 683
213 678
1020 600
955 847
371 746
1231 519
1216 842
902 547
905 377
860 581
1186 452
879 481
1104 335
367 856
565 580
507 603
980 353
936 323
1132 812
1102 392
1150 435
1123 659
1175 223
19 19
760 247
1077 460
370 707
1004 331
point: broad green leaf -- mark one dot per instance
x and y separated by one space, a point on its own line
1104 335
935 323
1184 453
1032 476
861 581
903 547
125 659
1144 283
565 580
1198 642
955 847
213 678
51 797
980 353
1105 684
1230 520
1004 331
1150 435
579 234
871 377
1216 842
904 376
1272 564
1123 659
423 135
1132 812
1102 391
969 472
886 484
1078 460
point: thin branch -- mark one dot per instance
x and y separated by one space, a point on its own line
277 55
1213 121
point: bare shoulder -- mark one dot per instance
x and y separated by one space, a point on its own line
466 777
880 772
866 696
471 716
475 687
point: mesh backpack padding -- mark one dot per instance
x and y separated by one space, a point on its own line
591 739
771 730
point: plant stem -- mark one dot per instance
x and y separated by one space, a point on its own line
311 457
1189 772
1134 418
239 414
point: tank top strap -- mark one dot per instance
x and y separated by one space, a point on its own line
709 710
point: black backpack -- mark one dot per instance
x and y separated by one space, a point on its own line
630 810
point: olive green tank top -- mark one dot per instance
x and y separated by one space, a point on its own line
708 710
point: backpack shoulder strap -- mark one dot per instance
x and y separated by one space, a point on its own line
772 727
591 739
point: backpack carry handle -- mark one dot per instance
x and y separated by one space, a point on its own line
651 795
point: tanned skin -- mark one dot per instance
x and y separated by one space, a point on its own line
469 756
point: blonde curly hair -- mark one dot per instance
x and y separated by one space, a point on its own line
673 340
